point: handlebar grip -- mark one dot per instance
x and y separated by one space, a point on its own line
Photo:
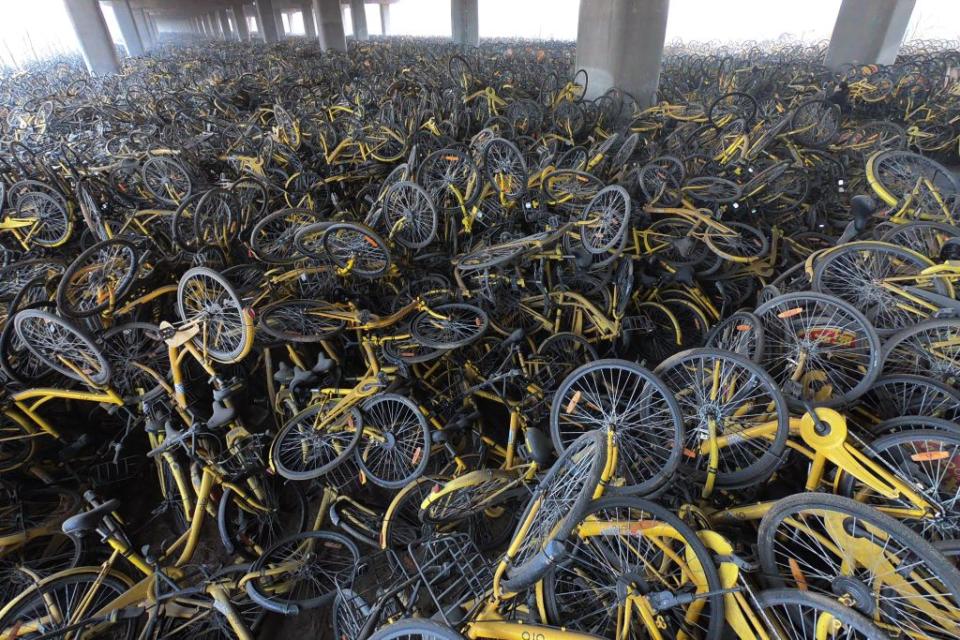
283 608
529 572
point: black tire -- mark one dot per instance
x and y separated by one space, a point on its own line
659 429
225 307
792 320
414 629
314 583
291 438
752 391
69 341
435 333
796 625
930 572
241 530
73 305
597 614
403 455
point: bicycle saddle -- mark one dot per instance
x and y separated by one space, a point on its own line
222 414
89 520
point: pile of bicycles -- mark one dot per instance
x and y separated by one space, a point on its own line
426 343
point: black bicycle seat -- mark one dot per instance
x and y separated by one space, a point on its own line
89 520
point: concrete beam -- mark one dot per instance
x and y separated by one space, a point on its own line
620 44
268 21
241 19
868 32
94 37
128 27
384 18
465 22
358 16
330 23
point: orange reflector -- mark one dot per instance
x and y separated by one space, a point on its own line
573 402
929 456
789 313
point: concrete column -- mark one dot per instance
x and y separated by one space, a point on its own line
359 18
465 22
93 35
330 22
268 20
278 17
215 24
128 27
309 26
152 26
868 32
241 19
385 17
620 44
225 25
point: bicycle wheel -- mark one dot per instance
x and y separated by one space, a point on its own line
930 349
892 396
742 333
859 272
272 238
630 543
166 179
247 530
17 444
605 219
299 321
409 213
468 495
395 447
505 169
926 238
558 504
300 451
792 614
818 348
357 247
62 346
625 397
401 521
557 357
128 345
416 629
207 299
98 279
837 546
303 570
926 459
893 174
50 222
726 397
69 599
457 325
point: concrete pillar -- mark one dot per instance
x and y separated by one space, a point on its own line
620 44
385 18
215 23
128 27
868 32
278 17
268 20
309 26
359 18
225 25
241 19
93 35
465 22
330 22
152 26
